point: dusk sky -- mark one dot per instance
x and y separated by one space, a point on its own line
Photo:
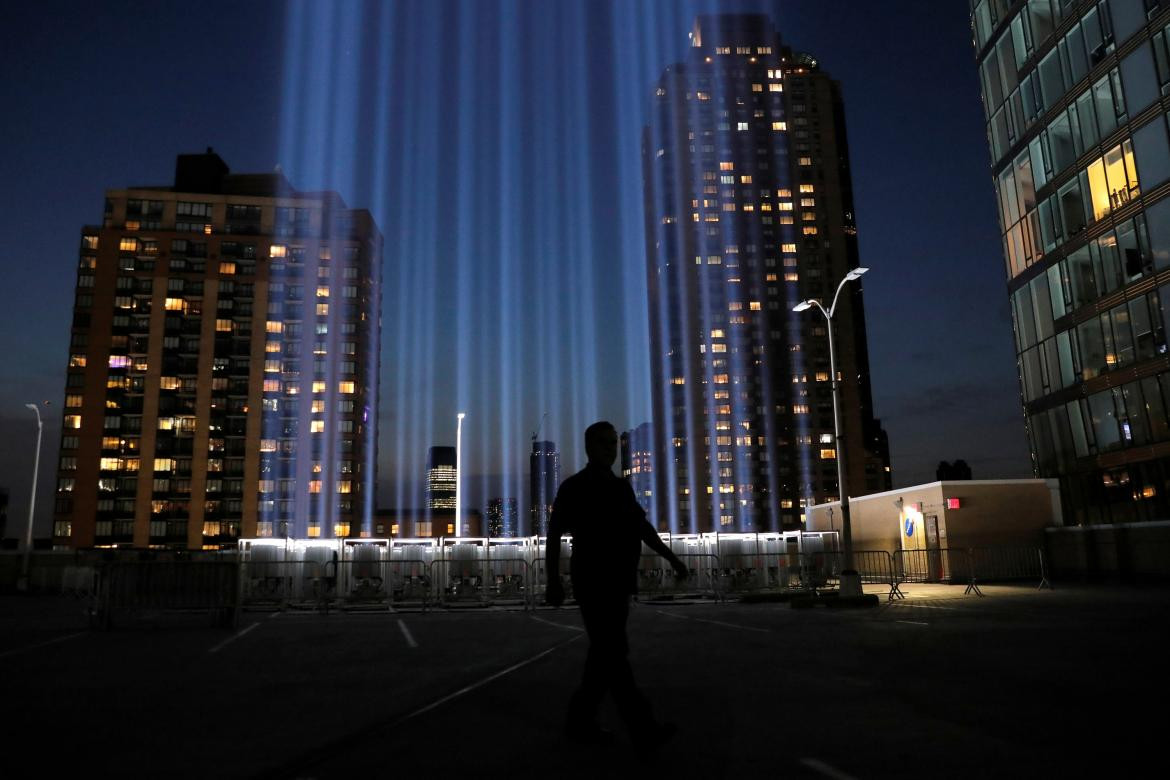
497 145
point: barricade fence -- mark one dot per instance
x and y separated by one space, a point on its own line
128 588
972 565
466 575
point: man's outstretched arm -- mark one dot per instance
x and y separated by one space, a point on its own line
652 539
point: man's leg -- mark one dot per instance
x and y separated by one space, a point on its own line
631 704
587 698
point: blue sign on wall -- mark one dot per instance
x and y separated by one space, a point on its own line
909 526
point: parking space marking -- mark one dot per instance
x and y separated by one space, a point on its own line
232 638
554 623
476 685
928 606
715 622
38 646
912 622
828 771
406 633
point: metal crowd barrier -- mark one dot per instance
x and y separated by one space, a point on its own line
972 565
134 586
656 577
876 567
323 584
481 581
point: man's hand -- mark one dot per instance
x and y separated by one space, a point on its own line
680 569
554 594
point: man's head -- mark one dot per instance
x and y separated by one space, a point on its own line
601 443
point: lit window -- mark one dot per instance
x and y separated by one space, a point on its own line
805 161
278 250
318 386
322 309
809 230
754 305
727 166
128 244
678 380
741 126
223 326
807 188
226 267
274 327
745 179
757 87
789 248
828 454
345 387
779 126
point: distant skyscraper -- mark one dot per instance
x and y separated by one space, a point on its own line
1074 95
637 466
749 211
544 477
223 363
503 517
441 478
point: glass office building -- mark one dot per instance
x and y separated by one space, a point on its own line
1075 99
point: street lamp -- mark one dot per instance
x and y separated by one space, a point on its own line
22 583
458 475
850 582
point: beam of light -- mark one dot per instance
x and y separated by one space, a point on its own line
498 145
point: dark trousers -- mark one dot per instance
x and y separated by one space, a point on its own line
607 667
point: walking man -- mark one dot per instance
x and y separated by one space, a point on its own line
608 527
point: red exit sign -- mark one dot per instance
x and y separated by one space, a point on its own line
953 503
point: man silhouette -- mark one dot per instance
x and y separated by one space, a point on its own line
608 527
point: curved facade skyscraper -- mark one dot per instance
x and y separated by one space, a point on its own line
749 210
1074 93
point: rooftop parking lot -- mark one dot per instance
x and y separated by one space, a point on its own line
1018 682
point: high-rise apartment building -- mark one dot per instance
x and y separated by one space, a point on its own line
223 363
442 476
503 517
1075 99
544 477
749 211
637 463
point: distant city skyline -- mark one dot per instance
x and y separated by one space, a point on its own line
509 295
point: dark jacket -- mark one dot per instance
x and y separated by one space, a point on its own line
608 527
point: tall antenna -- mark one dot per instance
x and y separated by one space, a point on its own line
539 426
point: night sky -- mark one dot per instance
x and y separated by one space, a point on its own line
497 145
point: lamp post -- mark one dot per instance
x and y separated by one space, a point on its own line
459 475
850 582
22 583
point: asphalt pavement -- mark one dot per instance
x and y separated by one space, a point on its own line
1016 683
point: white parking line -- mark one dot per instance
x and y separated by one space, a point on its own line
715 622
912 622
554 623
406 633
824 769
469 688
20 650
233 638
928 606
